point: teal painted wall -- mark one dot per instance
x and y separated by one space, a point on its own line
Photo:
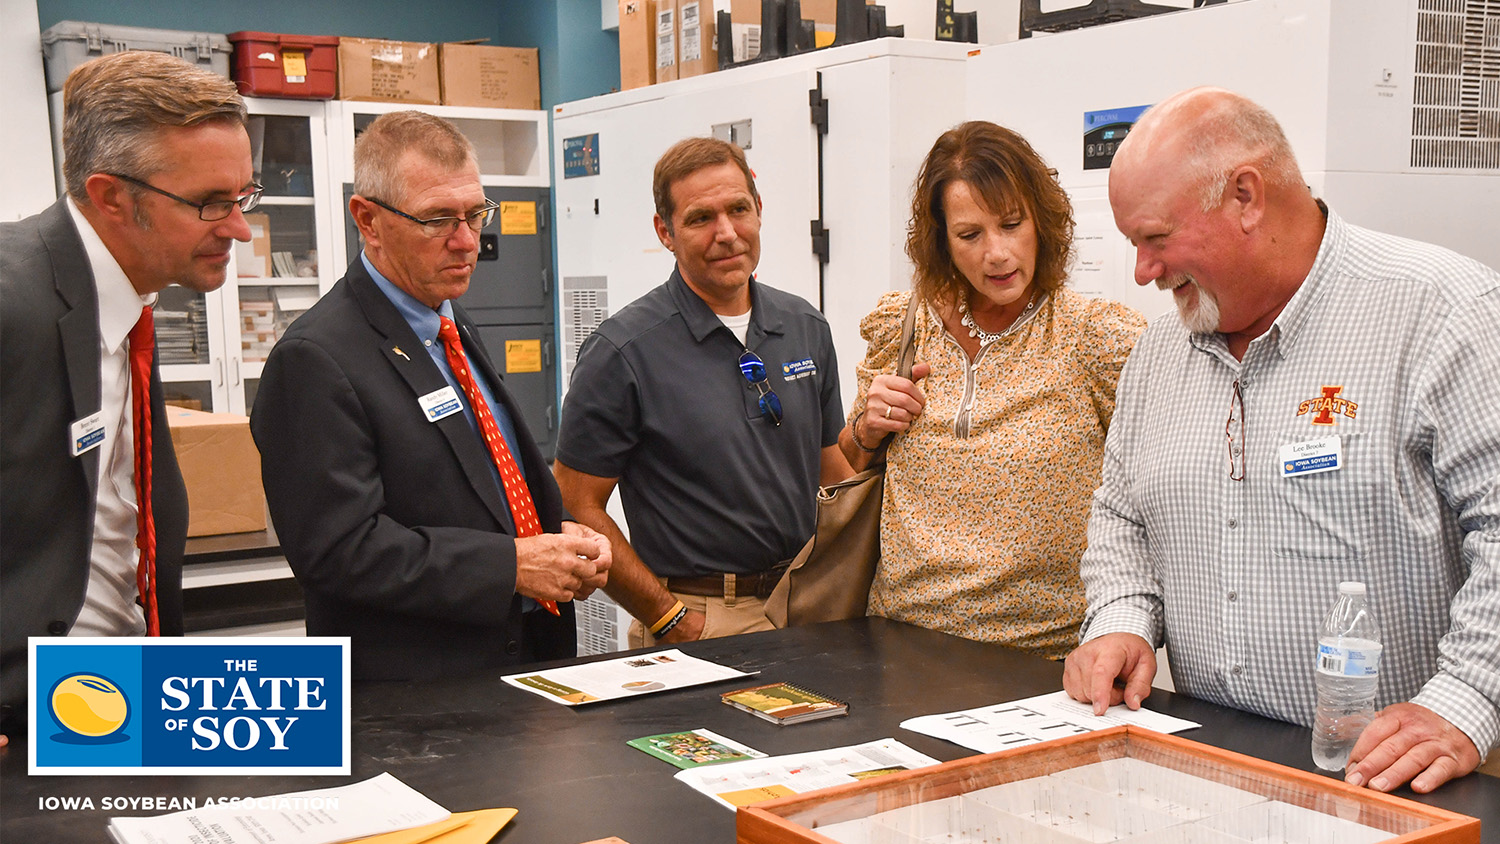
589 57
576 58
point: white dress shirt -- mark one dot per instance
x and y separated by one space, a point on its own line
109 605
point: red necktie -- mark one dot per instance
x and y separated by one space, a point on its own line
142 344
522 510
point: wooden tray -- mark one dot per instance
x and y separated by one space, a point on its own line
796 818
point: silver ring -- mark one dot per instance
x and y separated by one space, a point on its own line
888 411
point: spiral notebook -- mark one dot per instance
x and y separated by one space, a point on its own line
784 703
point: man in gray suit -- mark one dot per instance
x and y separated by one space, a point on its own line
158 171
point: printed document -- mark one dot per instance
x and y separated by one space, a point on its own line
1002 726
624 677
325 816
736 784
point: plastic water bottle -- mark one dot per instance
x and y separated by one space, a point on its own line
1348 671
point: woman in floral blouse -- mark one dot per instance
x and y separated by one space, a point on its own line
1000 432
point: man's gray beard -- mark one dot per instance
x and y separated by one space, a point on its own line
1202 318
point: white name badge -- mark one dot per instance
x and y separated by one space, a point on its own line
440 404
86 434
1310 457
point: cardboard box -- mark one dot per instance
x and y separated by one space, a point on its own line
666 40
221 468
697 44
490 77
745 30
253 259
374 70
637 43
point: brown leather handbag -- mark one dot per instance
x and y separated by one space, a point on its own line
829 579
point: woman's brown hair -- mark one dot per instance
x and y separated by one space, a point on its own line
1006 175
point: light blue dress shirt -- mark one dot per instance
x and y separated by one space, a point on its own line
426 322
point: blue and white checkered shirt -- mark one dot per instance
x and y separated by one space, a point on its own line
1393 347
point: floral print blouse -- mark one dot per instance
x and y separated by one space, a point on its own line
987 495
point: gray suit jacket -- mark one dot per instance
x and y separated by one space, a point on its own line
49 377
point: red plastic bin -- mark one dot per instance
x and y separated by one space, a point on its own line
269 64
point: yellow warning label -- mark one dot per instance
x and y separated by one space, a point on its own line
518 218
523 356
293 63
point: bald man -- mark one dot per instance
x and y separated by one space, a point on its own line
1300 336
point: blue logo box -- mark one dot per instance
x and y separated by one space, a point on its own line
190 706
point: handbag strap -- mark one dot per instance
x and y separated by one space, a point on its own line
908 354
905 358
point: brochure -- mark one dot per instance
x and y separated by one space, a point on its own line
627 676
784 703
695 747
742 783
1002 726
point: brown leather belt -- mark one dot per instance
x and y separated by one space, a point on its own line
757 585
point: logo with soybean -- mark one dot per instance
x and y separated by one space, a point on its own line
189 706
90 707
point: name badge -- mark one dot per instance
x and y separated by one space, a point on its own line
86 434
440 404
1325 454
793 369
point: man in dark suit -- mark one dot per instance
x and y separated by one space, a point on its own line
412 504
158 174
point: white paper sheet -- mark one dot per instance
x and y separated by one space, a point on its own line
324 816
737 784
1002 726
628 676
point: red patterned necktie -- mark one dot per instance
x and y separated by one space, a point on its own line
522 510
142 343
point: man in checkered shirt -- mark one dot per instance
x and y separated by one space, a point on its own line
1327 409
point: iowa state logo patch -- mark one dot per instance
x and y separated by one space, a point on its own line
1328 406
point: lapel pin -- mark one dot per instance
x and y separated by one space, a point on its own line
397 350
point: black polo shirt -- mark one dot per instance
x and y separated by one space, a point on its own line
657 400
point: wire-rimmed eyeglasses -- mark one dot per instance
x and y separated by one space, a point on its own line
1234 432
754 370
446 226
208 212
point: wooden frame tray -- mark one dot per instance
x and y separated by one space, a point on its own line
796 819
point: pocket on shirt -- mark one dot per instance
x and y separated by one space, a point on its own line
1328 515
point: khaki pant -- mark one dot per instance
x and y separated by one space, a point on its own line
746 615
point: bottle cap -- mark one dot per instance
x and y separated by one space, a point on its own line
1351 587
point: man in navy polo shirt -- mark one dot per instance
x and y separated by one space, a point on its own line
713 402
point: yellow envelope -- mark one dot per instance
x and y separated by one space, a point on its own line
460 828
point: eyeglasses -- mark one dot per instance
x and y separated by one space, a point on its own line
1236 445
754 370
208 212
446 226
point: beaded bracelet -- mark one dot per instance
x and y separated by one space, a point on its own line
669 620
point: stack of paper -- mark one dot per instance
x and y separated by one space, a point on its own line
383 806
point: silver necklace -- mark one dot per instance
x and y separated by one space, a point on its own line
988 337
